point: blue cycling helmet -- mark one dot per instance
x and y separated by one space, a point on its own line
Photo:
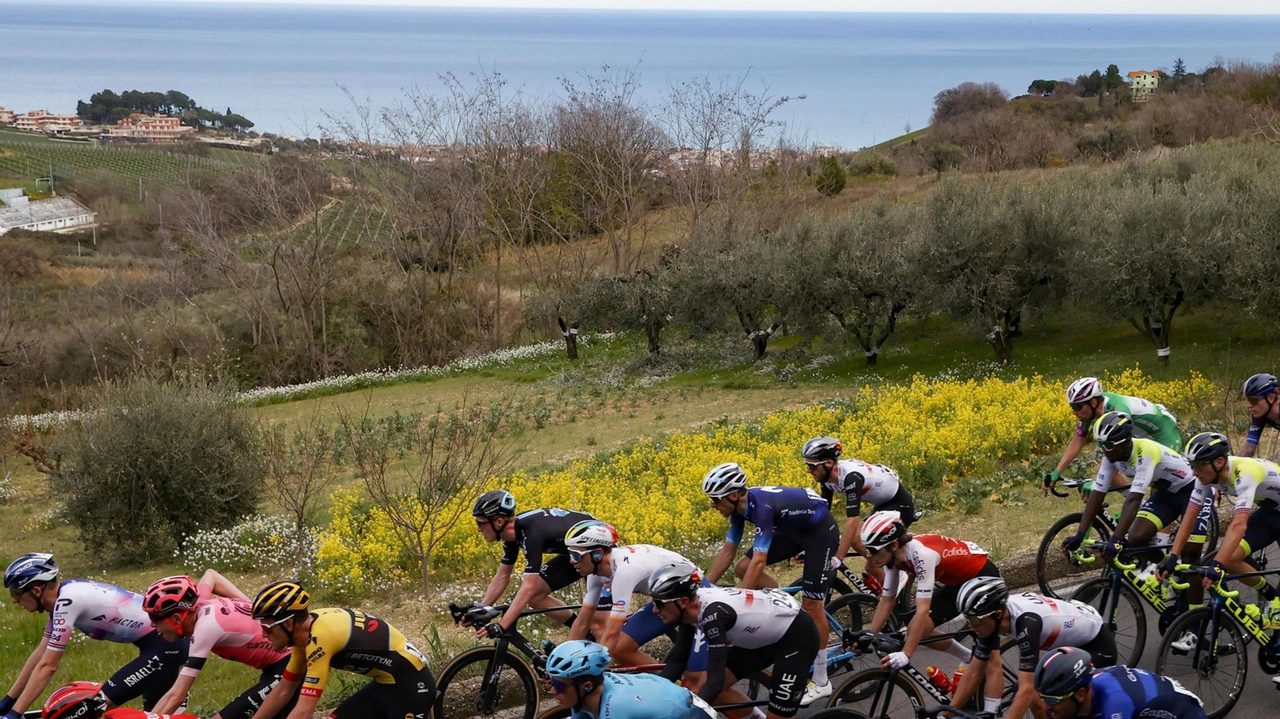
1260 385
577 658
1062 671
29 569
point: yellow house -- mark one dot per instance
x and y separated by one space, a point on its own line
1142 83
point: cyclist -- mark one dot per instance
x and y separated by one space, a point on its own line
746 630
1151 466
84 700
100 611
613 574
1070 687
1088 403
940 565
537 532
859 482
348 639
1264 411
1037 623
788 521
1255 483
214 615
579 680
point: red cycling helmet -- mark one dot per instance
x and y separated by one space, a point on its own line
170 596
77 700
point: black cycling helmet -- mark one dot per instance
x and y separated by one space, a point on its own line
1260 385
498 503
1113 429
1062 672
981 597
1207 446
674 581
821 448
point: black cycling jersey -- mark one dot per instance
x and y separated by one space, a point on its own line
538 532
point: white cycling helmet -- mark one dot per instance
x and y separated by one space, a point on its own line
591 534
881 528
1084 389
723 480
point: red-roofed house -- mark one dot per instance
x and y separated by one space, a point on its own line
156 128
1142 83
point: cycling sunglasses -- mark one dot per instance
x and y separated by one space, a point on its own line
268 626
1077 406
975 618
1054 701
576 556
558 686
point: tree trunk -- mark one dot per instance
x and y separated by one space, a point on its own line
872 356
1002 343
654 331
760 341
570 334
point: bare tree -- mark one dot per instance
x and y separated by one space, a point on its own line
422 471
300 468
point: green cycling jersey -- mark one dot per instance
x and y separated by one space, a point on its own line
1150 420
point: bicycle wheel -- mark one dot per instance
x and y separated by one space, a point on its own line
1056 571
878 694
1216 677
1129 622
837 713
853 612
464 693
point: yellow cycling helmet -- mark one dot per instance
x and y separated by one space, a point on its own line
280 600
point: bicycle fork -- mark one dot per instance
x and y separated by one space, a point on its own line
490 693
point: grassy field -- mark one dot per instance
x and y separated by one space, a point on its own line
27 156
616 395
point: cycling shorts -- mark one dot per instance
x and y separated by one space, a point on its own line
1263 529
943 609
791 658
247 704
412 696
558 572
819 544
1162 508
1103 647
151 674
902 503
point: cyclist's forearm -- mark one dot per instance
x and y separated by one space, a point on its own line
751 578
1128 513
1091 509
724 558
30 666
173 698
498 585
1248 450
222 587
1025 698
850 539
883 609
921 624
582 624
1184 530
277 698
1071 452
612 628
39 681
523 596
973 674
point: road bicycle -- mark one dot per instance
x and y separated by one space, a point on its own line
1216 668
493 681
1057 572
880 693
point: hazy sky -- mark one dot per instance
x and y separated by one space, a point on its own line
1193 7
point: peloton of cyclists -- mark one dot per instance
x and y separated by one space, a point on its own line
788 521
613 574
857 482
1036 623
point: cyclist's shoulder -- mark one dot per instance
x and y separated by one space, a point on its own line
89 590
643 696
331 627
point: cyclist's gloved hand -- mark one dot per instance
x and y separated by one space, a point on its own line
1215 571
898 660
1051 478
1112 547
1073 542
494 630
1168 566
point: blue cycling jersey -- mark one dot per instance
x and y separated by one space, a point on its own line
1124 693
769 508
645 696
1256 425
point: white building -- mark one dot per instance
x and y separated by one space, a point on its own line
58 214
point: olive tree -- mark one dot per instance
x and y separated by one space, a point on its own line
740 282
643 300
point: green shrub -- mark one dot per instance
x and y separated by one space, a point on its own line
873 165
153 462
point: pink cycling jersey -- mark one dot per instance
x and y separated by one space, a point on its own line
226 628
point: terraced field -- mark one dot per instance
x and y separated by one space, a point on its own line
27 156
354 223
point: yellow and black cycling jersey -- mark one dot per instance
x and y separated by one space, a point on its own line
350 640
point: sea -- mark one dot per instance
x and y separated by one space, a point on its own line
854 78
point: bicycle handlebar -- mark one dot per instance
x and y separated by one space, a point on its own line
478 614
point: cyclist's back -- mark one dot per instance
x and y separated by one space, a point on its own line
539 532
1152 466
100 611
357 642
1125 693
1150 420
790 509
647 696
226 627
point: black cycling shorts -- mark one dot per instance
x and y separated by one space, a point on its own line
1103 648
1163 507
246 705
412 696
902 503
558 572
943 609
151 674
1263 529
791 658
819 544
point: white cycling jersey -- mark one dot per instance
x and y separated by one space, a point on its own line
101 611
1150 465
1252 482
879 483
631 568
755 617
1038 623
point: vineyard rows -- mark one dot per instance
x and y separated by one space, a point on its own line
25 159
353 224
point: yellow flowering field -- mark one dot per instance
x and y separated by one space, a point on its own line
931 431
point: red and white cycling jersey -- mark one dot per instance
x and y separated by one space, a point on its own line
936 560
225 627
